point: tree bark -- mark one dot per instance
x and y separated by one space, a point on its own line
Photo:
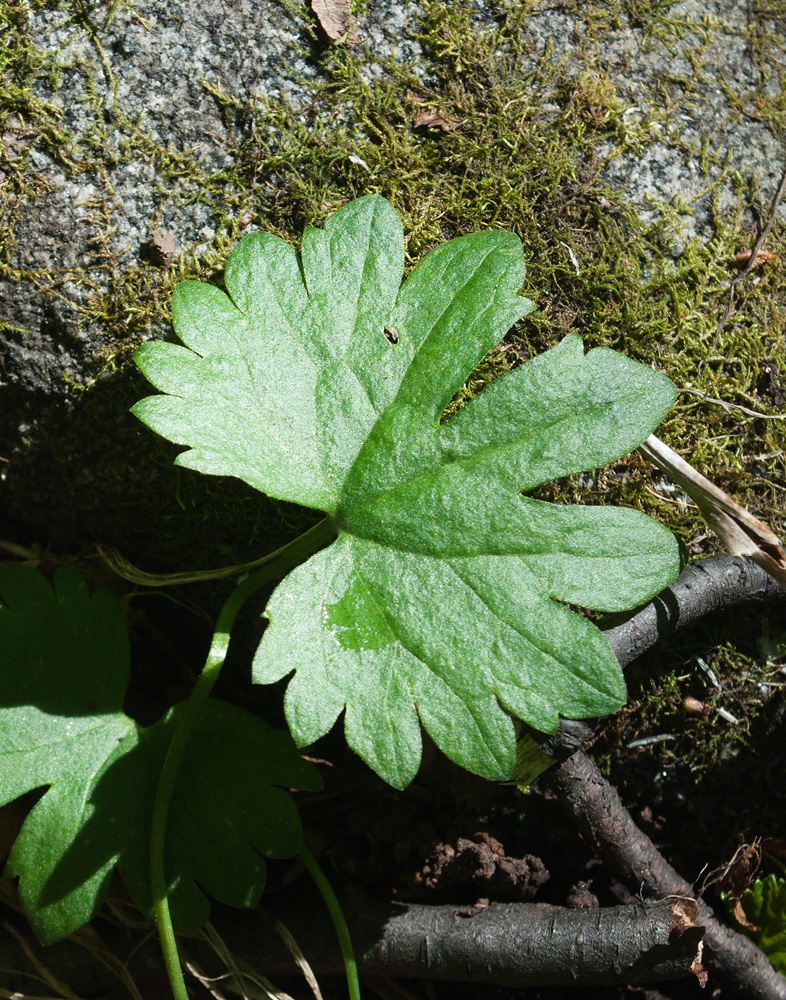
520 944
507 944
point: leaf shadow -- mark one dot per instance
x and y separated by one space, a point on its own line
115 833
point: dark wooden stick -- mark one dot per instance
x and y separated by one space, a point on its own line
533 944
710 585
703 587
505 944
731 959
517 944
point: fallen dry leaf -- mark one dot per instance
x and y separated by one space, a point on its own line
741 259
334 17
164 246
740 872
433 119
741 918
735 877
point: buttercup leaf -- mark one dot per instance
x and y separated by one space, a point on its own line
763 907
443 600
64 658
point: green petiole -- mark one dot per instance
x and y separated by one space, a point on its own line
337 916
277 565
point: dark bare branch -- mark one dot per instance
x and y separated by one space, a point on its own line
702 588
731 959
713 584
521 944
532 944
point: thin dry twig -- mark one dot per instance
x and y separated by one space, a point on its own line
730 407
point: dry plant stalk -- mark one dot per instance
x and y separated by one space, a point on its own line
743 534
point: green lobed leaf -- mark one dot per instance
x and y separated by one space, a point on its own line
64 657
439 602
764 905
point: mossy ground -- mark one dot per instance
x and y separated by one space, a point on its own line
517 147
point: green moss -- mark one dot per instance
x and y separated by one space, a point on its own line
26 121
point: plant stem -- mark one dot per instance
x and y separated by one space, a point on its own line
337 915
277 565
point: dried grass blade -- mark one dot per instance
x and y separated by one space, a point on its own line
89 939
299 958
64 991
744 535
243 978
